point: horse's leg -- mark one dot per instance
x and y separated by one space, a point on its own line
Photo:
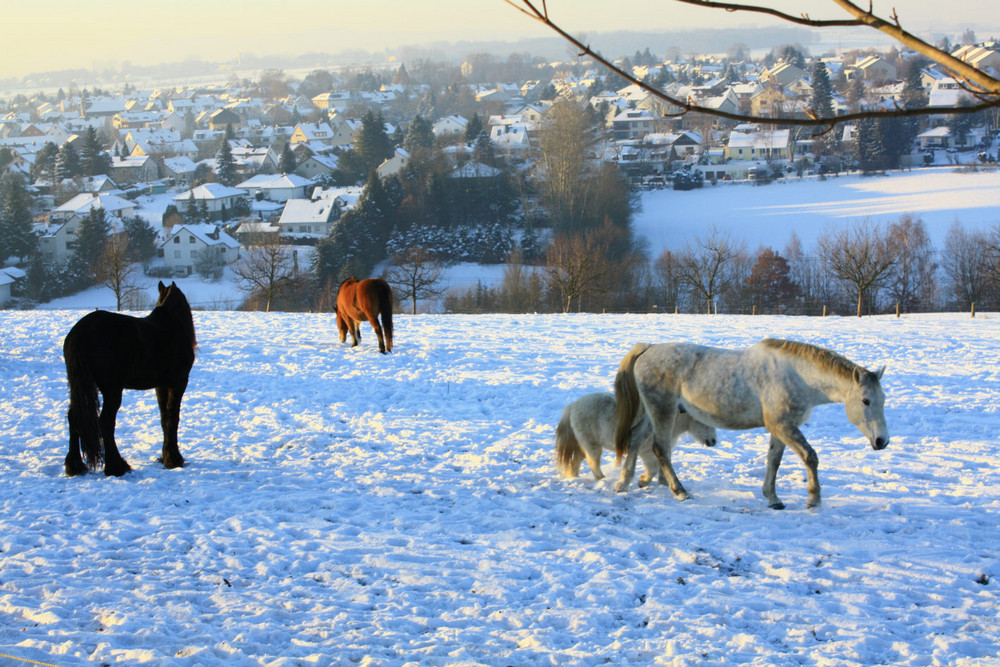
773 461
792 437
355 332
169 400
74 460
114 464
662 453
592 453
342 327
373 319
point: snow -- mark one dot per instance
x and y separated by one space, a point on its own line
344 507
767 215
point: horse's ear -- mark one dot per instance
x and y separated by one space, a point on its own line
161 287
878 373
858 375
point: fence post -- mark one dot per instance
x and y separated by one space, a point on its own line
754 310
897 309
824 311
973 308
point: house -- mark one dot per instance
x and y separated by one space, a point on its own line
312 218
510 138
875 68
276 187
215 195
135 169
753 143
180 168
314 166
312 133
633 124
450 125
9 276
57 236
186 244
394 164
937 137
783 74
223 118
980 57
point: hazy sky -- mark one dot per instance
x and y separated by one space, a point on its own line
40 36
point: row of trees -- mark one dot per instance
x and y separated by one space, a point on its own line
866 268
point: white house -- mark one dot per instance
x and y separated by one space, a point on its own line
277 187
449 125
187 244
215 196
9 276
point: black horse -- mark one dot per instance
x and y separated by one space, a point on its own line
109 352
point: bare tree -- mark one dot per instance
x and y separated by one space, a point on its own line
116 270
667 281
415 274
966 262
911 282
265 267
565 146
576 265
980 84
859 257
706 266
522 288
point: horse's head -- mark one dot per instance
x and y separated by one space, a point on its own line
865 403
703 433
172 300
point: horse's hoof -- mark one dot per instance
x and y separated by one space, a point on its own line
682 496
171 462
75 468
777 506
117 470
621 487
813 504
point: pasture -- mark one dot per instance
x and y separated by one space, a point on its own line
339 506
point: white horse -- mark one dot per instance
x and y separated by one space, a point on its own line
774 384
588 426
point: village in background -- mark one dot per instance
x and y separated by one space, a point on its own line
287 182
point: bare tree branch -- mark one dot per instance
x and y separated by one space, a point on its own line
983 86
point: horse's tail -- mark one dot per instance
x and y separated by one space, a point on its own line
83 410
385 313
568 452
627 405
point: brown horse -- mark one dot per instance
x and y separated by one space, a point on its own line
359 300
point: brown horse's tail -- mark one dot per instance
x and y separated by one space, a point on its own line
385 313
627 404
568 452
83 410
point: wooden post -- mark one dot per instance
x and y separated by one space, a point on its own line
677 309
754 310
897 309
824 311
973 308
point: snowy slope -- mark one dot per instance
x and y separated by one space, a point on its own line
343 507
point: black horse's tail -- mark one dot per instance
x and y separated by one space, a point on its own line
385 314
83 411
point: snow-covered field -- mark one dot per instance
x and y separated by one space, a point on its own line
343 507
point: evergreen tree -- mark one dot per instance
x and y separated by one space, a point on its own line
868 148
225 169
17 239
91 237
822 97
67 163
473 129
419 136
44 168
94 161
286 163
371 142
191 214
141 239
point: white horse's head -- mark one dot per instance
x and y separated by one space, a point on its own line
865 405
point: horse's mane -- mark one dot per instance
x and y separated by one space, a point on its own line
173 300
824 358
